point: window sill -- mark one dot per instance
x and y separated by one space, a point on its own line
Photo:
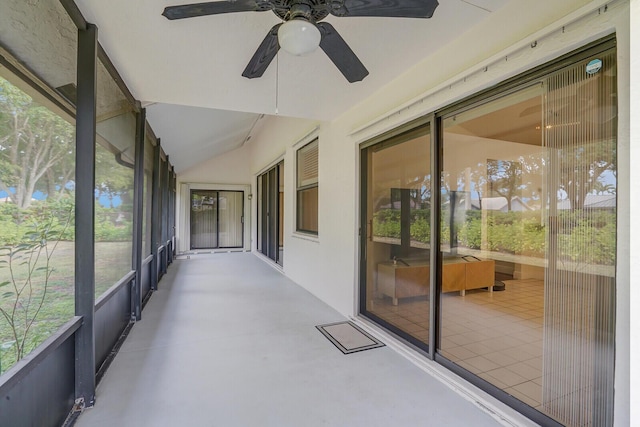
305 236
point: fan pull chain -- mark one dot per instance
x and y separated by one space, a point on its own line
277 79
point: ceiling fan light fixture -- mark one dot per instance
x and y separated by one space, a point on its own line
298 37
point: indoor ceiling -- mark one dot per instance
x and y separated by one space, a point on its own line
189 71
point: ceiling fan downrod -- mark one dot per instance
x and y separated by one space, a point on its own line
300 10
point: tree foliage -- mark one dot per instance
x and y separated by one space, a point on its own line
27 267
36 145
113 179
581 166
505 179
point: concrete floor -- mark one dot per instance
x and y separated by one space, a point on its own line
229 341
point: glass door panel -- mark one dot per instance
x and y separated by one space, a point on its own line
280 213
263 238
204 219
271 213
216 219
230 217
528 220
579 318
396 190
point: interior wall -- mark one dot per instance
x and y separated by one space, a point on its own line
506 44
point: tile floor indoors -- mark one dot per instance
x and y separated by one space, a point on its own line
229 341
495 335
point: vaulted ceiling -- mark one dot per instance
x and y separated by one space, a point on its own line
188 72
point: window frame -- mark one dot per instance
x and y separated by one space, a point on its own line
302 188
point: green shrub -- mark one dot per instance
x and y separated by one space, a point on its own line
515 232
386 223
10 232
421 230
107 231
15 222
470 234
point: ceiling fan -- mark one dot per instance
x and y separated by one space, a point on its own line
302 32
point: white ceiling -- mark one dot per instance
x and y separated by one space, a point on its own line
198 133
198 62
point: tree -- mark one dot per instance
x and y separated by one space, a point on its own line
34 142
477 177
505 178
601 188
113 178
580 131
580 167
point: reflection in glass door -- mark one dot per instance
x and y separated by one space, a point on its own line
529 204
216 219
396 185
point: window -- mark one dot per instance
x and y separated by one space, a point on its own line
307 188
149 147
114 183
37 199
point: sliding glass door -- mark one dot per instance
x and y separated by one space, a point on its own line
519 295
271 213
216 219
396 241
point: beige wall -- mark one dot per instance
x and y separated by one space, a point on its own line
227 168
499 48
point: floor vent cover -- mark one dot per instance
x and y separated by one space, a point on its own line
348 337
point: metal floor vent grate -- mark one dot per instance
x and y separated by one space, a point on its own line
348 337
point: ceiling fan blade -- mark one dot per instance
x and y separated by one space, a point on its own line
264 55
341 54
385 8
215 7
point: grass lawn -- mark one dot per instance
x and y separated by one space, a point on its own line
113 261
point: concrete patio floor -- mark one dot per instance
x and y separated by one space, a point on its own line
229 341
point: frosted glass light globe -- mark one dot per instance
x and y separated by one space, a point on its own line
298 37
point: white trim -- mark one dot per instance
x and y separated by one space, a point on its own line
357 256
307 140
271 164
309 136
305 236
632 299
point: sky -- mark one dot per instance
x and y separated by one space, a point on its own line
103 200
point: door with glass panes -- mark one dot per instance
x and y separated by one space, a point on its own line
271 213
216 219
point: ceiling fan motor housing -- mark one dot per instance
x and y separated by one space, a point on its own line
311 10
